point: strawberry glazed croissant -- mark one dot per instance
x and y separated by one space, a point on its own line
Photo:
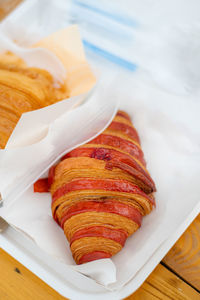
101 191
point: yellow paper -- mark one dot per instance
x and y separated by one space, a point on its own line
67 46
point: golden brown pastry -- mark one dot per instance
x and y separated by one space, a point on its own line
23 89
101 191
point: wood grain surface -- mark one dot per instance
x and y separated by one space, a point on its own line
18 283
163 284
184 257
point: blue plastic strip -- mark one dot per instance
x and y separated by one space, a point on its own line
111 57
117 18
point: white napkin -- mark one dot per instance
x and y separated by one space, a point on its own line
28 131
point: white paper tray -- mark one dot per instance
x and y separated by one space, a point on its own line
51 272
55 274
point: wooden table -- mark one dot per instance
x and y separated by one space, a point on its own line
176 277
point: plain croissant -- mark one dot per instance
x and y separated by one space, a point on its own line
23 89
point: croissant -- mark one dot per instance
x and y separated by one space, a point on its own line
101 191
23 89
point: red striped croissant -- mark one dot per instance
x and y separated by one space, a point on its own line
100 191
